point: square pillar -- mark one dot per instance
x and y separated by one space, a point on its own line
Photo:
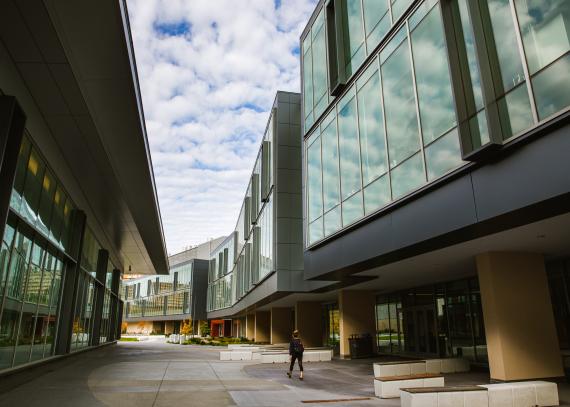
101 276
281 325
250 327
113 317
522 342
12 124
262 326
356 316
308 321
119 326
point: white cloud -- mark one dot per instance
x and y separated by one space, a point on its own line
208 72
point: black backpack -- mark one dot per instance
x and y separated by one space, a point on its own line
298 347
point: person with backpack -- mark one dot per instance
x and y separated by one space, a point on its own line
296 350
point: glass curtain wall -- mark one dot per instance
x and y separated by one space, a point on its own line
395 128
246 258
160 295
443 320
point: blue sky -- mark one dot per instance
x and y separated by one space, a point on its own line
208 72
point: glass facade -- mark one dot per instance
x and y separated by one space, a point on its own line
395 127
246 257
160 295
34 262
444 320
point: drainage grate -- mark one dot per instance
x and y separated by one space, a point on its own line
336 400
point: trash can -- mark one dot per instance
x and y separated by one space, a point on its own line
360 346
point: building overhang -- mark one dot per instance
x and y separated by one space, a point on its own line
83 102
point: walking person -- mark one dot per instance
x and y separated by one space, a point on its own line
296 350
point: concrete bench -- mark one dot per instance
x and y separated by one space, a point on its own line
400 368
308 356
458 396
447 365
523 394
390 386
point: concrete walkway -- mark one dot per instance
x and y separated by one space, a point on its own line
154 373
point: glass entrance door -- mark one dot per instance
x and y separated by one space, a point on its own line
421 333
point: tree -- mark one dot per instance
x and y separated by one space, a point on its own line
186 327
204 328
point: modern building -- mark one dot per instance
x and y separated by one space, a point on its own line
436 179
262 259
78 203
160 304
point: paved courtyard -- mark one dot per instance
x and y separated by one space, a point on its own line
154 373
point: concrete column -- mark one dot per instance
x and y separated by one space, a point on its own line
115 282
281 325
68 298
101 275
308 321
522 342
12 124
356 316
119 320
250 326
262 326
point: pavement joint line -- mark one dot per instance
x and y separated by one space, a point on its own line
337 400
160 385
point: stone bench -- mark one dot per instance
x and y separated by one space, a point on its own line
516 394
308 356
390 386
400 368
523 394
457 396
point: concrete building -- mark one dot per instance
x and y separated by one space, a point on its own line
262 259
435 185
160 304
78 204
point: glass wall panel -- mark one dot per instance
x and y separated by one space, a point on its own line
320 85
398 7
515 111
408 176
376 195
552 87
46 202
20 177
308 86
32 187
352 209
433 81
353 29
443 155
371 124
377 21
332 220
314 179
349 147
400 106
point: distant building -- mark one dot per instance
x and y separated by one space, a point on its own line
159 304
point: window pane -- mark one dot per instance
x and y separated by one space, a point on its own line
506 43
314 180
552 88
46 202
332 221
320 68
376 195
20 177
398 7
407 176
443 155
349 149
316 231
433 81
331 177
478 130
308 82
514 111
352 209
399 104
374 10
545 28
32 188
353 35
469 42
372 143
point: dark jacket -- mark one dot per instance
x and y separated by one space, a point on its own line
296 347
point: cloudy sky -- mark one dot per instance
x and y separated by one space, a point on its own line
208 71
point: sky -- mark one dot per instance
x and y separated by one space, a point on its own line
208 72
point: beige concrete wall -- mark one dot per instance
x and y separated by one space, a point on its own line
356 316
281 325
262 326
521 335
308 321
250 326
141 327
